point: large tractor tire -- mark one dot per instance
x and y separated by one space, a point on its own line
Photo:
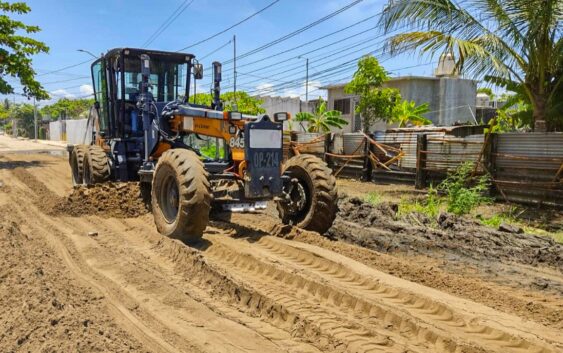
312 203
96 166
181 196
77 164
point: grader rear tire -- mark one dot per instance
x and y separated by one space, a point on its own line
181 196
314 197
96 166
77 164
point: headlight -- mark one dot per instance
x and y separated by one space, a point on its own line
282 116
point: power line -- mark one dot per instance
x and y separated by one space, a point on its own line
322 54
296 32
179 10
299 81
215 50
326 59
65 68
231 27
316 40
62 81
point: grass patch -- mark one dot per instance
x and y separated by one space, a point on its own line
373 198
512 216
430 206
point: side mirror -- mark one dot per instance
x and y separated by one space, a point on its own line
198 71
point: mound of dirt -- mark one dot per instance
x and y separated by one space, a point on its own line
119 200
378 227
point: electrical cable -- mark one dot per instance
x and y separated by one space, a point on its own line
231 27
296 32
315 40
168 22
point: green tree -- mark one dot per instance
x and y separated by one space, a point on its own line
376 103
322 119
408 112
245 103
23 113
16 50
515 40
5 111
68 108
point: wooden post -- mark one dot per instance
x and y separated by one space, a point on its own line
368 168
491 160
421 146
328 144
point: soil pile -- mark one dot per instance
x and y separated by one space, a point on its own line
119 200
379 227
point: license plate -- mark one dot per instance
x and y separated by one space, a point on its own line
265 138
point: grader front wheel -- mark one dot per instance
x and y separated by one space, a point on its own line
311 197
181 196
77 164
96 166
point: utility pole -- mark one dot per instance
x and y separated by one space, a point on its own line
307 84
35 118
235 65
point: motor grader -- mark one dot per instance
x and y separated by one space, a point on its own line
187 157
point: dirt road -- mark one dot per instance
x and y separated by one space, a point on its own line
75 280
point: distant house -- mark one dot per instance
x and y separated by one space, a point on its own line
292 105
452 100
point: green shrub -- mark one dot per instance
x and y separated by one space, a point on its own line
464 193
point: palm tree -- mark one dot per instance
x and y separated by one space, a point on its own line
408 112
504 41
321 120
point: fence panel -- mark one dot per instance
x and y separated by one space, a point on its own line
527 167
446 153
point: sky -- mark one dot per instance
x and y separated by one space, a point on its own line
97 26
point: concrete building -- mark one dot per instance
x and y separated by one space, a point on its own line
292 105
451 99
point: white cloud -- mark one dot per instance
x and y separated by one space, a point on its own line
265 89
86 90
314 91
61 93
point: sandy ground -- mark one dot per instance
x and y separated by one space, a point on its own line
95 281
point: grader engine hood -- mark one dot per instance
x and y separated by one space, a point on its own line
263 152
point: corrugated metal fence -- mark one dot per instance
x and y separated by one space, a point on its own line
528 167
525 167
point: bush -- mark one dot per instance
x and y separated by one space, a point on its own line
463 192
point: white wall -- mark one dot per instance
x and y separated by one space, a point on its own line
76 132
55 130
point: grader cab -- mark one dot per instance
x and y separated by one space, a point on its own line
190 157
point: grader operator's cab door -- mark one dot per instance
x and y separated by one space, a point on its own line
99 83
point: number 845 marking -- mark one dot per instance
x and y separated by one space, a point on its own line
236 142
